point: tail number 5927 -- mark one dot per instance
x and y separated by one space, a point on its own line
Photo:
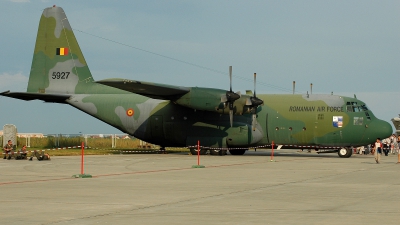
60 75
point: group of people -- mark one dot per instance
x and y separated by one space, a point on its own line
22 154
391 144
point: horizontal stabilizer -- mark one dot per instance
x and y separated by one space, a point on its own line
151 90
36 96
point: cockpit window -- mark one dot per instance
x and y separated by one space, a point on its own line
364 108
355 107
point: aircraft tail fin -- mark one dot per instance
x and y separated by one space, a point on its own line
58 65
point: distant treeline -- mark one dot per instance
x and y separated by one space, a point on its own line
63 141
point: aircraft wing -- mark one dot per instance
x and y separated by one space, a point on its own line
151 90
36 96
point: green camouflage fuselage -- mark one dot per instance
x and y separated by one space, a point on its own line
284 119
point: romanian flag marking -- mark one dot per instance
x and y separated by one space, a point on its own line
130 112
62 51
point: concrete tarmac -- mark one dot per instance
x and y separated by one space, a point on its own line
298 188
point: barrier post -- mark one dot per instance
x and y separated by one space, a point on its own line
82 175
198 152
198 157
272 151
82 153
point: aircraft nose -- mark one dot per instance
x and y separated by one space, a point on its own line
381 129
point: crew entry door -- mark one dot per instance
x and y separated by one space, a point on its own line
156 125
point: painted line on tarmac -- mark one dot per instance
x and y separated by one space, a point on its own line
34 181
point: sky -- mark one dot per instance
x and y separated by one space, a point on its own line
345 47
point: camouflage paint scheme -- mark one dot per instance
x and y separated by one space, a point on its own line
169 115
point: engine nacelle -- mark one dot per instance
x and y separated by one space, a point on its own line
209 99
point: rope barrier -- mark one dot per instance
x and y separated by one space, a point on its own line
194 146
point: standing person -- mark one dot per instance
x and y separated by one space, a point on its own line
378 150
392 141
8 150
398 144
386 146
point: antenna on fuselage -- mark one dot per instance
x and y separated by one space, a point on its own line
311 88
294 86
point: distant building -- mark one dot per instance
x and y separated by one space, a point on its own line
25 135
32 135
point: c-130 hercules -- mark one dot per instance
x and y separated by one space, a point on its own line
176 116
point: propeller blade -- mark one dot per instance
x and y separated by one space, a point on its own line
238 93
231 116
255 102
254 122
255 84
230 78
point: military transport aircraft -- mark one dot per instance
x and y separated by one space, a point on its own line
175 116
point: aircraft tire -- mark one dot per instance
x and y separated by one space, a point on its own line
193 151
237 152
215 152
345 152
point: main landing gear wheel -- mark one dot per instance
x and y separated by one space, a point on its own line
217 152
214 152
345 152
237 152
193 151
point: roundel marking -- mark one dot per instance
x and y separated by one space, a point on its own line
130 112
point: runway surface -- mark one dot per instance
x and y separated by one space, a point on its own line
298 188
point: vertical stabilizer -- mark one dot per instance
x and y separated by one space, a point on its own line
58 65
